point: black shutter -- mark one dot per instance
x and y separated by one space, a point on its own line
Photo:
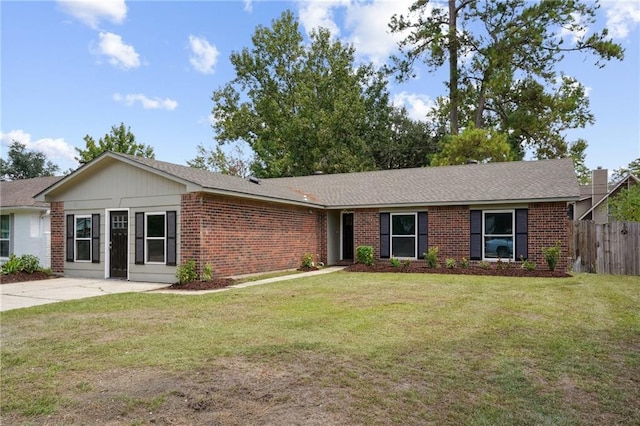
475 220
171 238
522 241
95 238
139 238
385 229
422 234
70 241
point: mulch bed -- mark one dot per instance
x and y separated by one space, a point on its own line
507 271
19 277
213 284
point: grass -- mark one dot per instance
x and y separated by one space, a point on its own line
381 348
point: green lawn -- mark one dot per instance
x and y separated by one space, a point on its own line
342 348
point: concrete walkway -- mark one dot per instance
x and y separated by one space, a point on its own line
34 293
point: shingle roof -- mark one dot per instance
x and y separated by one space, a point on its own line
522 181
20 193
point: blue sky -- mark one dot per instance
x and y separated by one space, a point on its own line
72 68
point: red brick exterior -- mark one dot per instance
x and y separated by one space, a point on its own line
449 230
242 236
57 237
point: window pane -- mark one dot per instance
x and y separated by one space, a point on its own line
403 224
498 223
155 225
403 247
83 227
83 250
4 248
155 251
4 226
498 247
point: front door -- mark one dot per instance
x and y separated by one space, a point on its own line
118 240
347 236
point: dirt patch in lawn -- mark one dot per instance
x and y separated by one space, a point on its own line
505 271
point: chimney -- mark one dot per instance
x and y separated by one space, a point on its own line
599 184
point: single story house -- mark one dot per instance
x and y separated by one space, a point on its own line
24 222
594 197
122 216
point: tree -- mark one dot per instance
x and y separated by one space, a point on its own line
23 164
216 160
473 144
508 80
577 152
120 139
625 205
305 107
633 168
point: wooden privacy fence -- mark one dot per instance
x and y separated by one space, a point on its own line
611 248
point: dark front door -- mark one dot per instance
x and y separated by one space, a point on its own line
119 230
347 236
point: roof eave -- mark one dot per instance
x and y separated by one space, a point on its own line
451 203
244 195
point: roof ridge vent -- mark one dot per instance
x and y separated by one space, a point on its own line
254 179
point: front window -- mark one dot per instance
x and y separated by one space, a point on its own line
498 234
155 237
83 238
403 235
5 235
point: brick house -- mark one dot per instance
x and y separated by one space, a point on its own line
121 216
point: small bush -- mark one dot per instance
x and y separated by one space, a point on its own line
12 265
552 255
307 260
30 263
395 262
485 265
364 254
500 265
527 264
407 263
450 263
186 272
464 263
207 272
431 256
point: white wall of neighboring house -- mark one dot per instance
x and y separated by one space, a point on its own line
31 234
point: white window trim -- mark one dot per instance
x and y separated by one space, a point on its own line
415 235
8 240
147 238
76 239
512 235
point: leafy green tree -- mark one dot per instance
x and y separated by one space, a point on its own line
625 205
216 160
302 107
473 144
120 139
577 152
633 168
24 164
510 79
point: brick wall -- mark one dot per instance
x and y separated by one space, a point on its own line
366 230
57 237
448 229
242 236
548 225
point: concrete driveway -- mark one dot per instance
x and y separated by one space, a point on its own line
33 293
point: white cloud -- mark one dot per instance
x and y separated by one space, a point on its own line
314 14
417 106
56 150
248 5
91 12
146 102
577 31
204 55
120 55
623 16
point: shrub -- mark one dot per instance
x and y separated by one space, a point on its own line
527 264
407 263
500 265
307 260
395 262
464 263
207 272
485 265
364 254
186 272
431 256
12 265
552 255
450 263
30 263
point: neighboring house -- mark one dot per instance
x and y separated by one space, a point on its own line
25 222
128 217
593 201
